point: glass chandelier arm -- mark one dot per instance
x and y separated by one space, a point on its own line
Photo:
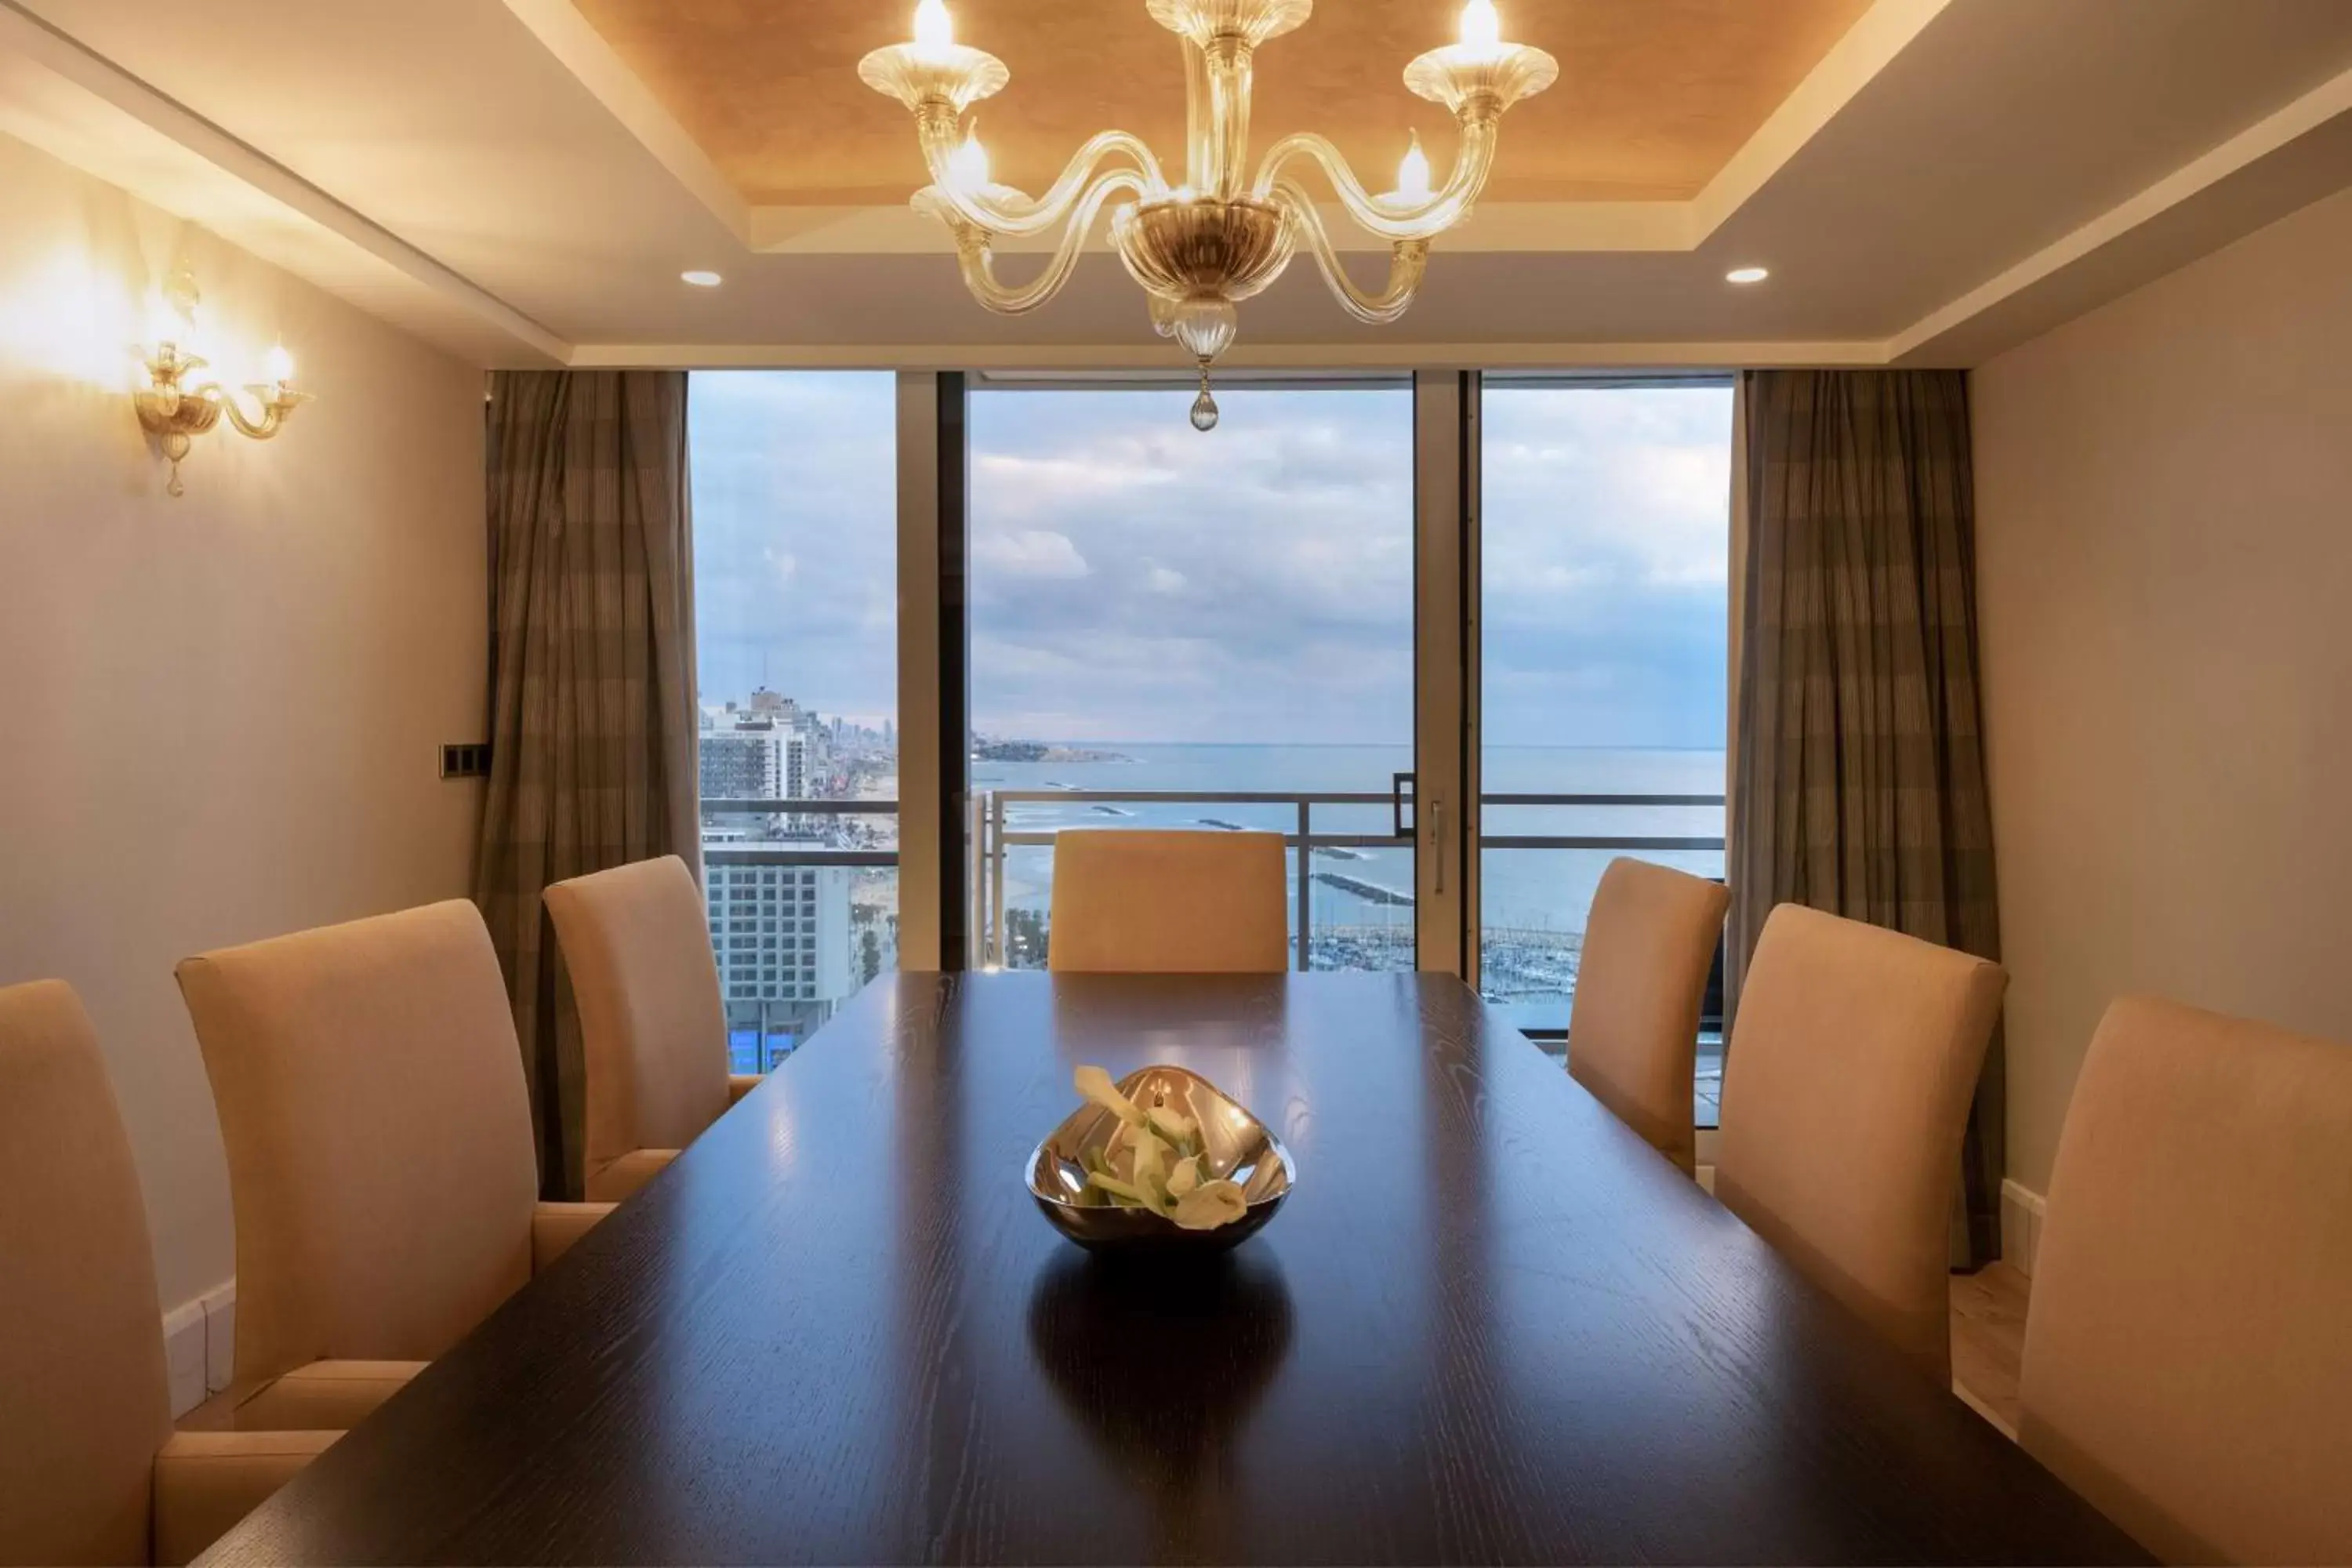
1009 215
978 260
1382 217
1408 258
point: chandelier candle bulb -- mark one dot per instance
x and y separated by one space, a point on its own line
1482 28
934 28
1199 247
278 367
1413 175
968 162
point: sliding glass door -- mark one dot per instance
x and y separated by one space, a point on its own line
1213 632
795 630
1459 640
1605 617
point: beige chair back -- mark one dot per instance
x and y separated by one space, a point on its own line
83 1395
378 1130
653 1029
2188 1345
1633 1027
1853 1061
1169 903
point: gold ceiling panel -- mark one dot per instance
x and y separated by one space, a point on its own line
1654 97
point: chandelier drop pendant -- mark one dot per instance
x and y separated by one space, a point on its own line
1200 247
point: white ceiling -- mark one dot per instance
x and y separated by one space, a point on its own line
1954 176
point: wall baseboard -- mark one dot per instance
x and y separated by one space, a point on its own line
2022 1209
200 1347
184 1355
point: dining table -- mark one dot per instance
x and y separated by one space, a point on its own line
1489 1325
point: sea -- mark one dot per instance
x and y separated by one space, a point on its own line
1533 900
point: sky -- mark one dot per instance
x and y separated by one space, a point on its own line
1135 580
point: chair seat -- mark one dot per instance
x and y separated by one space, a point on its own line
618 1179
206 1482
323 1397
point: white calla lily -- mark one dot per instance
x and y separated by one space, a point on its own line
1211 1204
1093 1083
1156 1159
1172 1125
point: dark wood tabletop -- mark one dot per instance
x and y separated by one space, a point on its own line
1490 1325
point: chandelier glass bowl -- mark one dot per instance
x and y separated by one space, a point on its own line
1199 247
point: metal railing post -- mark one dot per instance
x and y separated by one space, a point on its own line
996 873
1305 879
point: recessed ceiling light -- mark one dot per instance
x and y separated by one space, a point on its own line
702 279
1746 275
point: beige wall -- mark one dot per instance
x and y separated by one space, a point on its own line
219 715
2164 494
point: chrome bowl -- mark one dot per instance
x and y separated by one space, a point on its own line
1235 1145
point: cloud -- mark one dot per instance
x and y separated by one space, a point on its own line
1135 580
1038 553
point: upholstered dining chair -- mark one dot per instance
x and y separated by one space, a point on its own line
380 1154
653 1029
1180 901
2189 1343
90 1470
1632 1025
1852 1060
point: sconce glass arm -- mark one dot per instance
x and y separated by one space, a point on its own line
275 402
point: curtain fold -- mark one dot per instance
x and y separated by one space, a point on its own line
1860 776
592 724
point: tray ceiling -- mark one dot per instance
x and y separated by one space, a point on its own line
1654 96
524 180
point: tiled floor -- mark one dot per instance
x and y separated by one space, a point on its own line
1989 1340
1707 1082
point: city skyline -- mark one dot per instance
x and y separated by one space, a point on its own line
1135 581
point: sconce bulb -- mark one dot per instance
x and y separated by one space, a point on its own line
280 365
968 165
1481 27
1412 172
934 28
167 323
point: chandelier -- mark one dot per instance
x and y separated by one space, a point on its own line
1200 247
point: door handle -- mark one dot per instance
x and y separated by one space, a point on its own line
1437 838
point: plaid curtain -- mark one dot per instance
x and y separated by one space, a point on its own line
592 683
1860 777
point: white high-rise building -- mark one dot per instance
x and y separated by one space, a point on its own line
754 760
781 934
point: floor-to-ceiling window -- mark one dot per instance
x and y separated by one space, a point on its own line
1163 620
795 635
1605 547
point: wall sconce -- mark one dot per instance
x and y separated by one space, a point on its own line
175 414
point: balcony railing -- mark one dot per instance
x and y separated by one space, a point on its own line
794 851
994 831
1530 969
